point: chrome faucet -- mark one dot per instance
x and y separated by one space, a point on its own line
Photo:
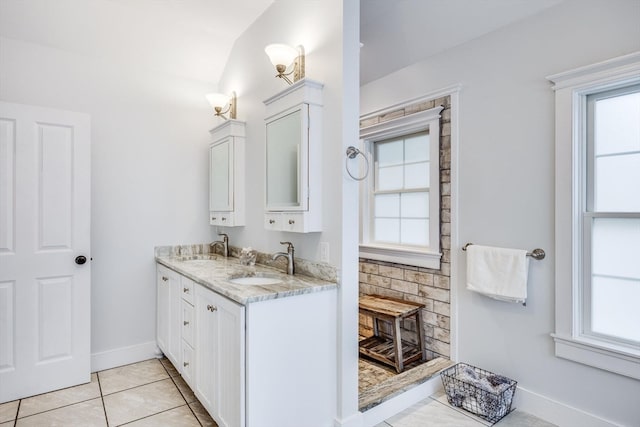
224 243
289 255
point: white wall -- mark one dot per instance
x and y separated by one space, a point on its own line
506 190
149 176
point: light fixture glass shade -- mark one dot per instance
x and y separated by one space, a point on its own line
281 54
218 99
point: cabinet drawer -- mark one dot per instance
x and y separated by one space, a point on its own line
187 288
188 325
272 221
293 222
188 359
224 219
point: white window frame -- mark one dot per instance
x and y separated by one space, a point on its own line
571 91
403 126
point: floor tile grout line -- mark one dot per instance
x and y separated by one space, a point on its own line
152 415
55 409
15 420
183 397
137 386
104 408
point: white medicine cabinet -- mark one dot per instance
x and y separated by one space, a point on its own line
226 174
294 159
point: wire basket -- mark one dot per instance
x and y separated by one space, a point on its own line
481 392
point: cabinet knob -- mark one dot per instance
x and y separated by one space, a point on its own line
211 308
185 323
213 218
185 364
291 221
165 278
224 219
185 290
272 221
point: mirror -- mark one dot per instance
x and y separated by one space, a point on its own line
284 136
219 199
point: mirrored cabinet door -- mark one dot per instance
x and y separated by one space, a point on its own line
221 162
286 148
226 174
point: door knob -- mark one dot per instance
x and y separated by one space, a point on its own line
81 259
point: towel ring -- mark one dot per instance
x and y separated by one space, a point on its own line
352 152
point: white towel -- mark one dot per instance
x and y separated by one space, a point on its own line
498 272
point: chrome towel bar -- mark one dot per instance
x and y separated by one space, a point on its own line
535 254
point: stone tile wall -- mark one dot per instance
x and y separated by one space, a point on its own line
423 285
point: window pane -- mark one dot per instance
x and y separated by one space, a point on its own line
387 230
415 232
416 148
389 153
416 175
617 124
614 307
387 205
415 205
390 178
616 247
617 183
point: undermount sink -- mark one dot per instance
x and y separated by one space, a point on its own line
255 280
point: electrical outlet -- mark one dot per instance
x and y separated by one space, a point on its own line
324 252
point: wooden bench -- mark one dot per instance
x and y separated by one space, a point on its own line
393 352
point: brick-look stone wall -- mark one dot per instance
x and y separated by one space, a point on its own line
417 284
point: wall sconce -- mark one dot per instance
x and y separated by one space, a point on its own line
219 100
283 57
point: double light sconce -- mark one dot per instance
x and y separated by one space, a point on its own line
283 57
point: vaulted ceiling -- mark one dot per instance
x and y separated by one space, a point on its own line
193 38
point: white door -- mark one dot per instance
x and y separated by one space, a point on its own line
44 235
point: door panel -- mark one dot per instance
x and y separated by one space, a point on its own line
44 225
55 195
54 319
7 325
7 184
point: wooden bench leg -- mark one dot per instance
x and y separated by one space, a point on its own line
420 333
397 341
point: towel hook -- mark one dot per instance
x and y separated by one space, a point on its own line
535 254
352 152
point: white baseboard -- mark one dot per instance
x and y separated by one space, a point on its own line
124 356
391 407
556 412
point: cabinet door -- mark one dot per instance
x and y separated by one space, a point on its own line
219 346
163 312
287 142
221 176
231 357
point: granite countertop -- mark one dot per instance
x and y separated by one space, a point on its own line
215 271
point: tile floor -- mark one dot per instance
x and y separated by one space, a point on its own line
435 411
152 394
144 394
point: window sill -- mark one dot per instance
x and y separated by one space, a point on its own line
402 256
620 360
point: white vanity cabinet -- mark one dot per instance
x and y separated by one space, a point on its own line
226 174
293 193
220 373
266 363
